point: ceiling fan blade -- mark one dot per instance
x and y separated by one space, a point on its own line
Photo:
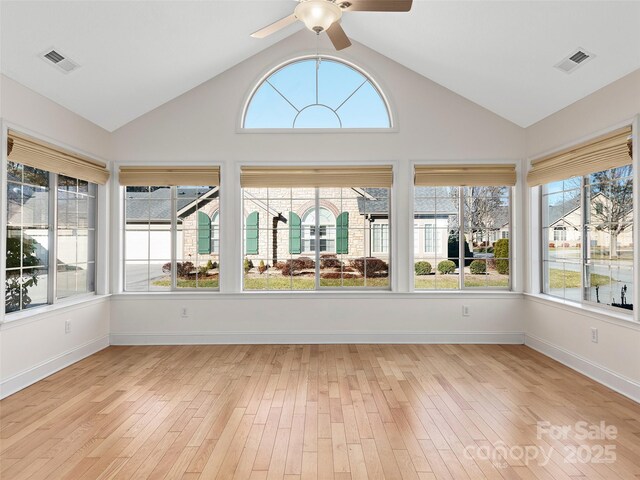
275 26
338 37
378 5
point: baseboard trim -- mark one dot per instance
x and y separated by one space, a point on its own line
30 376
623 385
227 338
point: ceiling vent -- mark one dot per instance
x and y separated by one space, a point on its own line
59 60
575 59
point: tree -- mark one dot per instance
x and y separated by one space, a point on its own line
612 204
274 234
483 210
20 253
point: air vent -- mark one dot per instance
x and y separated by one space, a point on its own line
574 60
59 60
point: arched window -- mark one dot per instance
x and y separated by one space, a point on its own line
215 232
325 237
317 92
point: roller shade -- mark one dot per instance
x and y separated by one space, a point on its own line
159 176
605 152
36 154
291 177
488 175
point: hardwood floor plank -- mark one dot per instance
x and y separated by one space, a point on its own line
308 412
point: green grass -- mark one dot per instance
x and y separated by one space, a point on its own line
206 283
307 283
450 282
568 279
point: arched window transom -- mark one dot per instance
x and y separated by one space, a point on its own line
317 92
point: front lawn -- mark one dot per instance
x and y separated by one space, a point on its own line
569 279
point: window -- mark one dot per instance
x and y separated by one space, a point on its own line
317 92
50 237
482 261
171 238
588 238
325 233
380 237
215 233
311 238
559 234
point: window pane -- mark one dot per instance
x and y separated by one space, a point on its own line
28 240
150 233
317 93
289 240
435 238
600 269
75 239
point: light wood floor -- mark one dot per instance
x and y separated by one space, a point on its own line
314 411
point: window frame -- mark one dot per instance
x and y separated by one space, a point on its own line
173 288
258 82
583 260
320 290
461 289
52 252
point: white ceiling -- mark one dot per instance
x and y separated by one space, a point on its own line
137 55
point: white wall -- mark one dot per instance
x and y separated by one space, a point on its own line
562 331
433 124
36 345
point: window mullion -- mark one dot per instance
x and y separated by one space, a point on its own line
317 236
583 248
53 239
174 233
461 238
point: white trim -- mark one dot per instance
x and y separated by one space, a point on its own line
36 314
599 373
608 314
28 377
315 337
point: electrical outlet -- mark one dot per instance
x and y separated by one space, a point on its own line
184 312
67 326
465 311
594 335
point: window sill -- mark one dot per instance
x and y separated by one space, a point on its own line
610 316
37 313
310 295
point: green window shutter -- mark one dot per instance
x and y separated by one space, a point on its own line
204 233
342 233
251 241
295 233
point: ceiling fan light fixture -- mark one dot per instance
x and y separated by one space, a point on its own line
318 15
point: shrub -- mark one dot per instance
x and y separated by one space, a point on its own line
248 265
278 265
329 260
210 265
262 267
501 252
372 265
478 267
422 268
203 270
215 265
296 264
183 269
552 245
446 266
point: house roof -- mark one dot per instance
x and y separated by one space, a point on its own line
149 206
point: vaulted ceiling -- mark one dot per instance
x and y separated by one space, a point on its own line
137 55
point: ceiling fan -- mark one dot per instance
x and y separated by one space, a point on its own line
324 15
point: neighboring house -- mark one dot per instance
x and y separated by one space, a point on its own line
148 230
565 220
